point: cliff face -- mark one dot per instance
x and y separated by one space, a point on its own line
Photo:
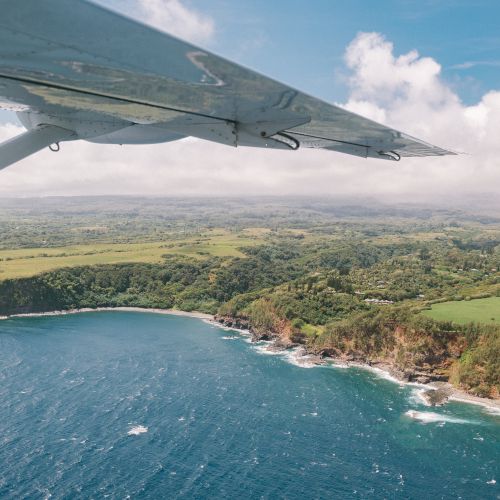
280 332
407 359
409 353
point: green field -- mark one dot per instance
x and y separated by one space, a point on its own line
24 262
465 311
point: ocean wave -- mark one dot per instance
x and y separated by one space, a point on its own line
428 417
215 324
263 347
294 357
417 397
136 430
381 374
492 410
339 365
490 407
297 358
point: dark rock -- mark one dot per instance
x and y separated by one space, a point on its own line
284 343
436 397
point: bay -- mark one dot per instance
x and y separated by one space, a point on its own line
128 404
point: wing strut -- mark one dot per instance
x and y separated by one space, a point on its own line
31 141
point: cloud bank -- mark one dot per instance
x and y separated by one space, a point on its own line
404 91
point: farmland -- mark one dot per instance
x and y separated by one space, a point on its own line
25 262
372 282
485 310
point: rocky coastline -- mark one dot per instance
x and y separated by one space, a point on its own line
282 340
436 388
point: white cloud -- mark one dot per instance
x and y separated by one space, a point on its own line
404 91
408 93
176 18
473 64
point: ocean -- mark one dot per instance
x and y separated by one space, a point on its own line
138 405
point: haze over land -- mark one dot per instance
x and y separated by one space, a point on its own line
348 281
312 271
341 298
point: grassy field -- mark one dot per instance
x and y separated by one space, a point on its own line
465 311
31 261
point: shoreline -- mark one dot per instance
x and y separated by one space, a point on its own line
64 312
455 394
383 371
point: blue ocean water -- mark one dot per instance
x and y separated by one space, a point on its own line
137 405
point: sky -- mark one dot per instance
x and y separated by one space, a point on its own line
430 68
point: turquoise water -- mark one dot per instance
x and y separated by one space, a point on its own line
118 404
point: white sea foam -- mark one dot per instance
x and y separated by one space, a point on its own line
380 373
493 410
297 358
427 417
490 407
244 335
227 328
337 364
136 430
262 347
417 396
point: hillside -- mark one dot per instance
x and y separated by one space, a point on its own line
411 288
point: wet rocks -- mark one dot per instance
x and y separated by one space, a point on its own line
436 397
231 322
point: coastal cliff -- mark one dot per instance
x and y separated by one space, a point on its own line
329 324
419 351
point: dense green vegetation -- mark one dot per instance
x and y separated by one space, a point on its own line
346 281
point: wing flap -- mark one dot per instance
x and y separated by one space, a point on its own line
400 144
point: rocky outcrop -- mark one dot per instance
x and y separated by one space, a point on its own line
420 367
407 354
244 324
437 397
232 322
281 335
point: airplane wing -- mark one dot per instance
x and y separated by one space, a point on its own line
74 70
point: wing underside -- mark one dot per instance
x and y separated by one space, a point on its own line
75 61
